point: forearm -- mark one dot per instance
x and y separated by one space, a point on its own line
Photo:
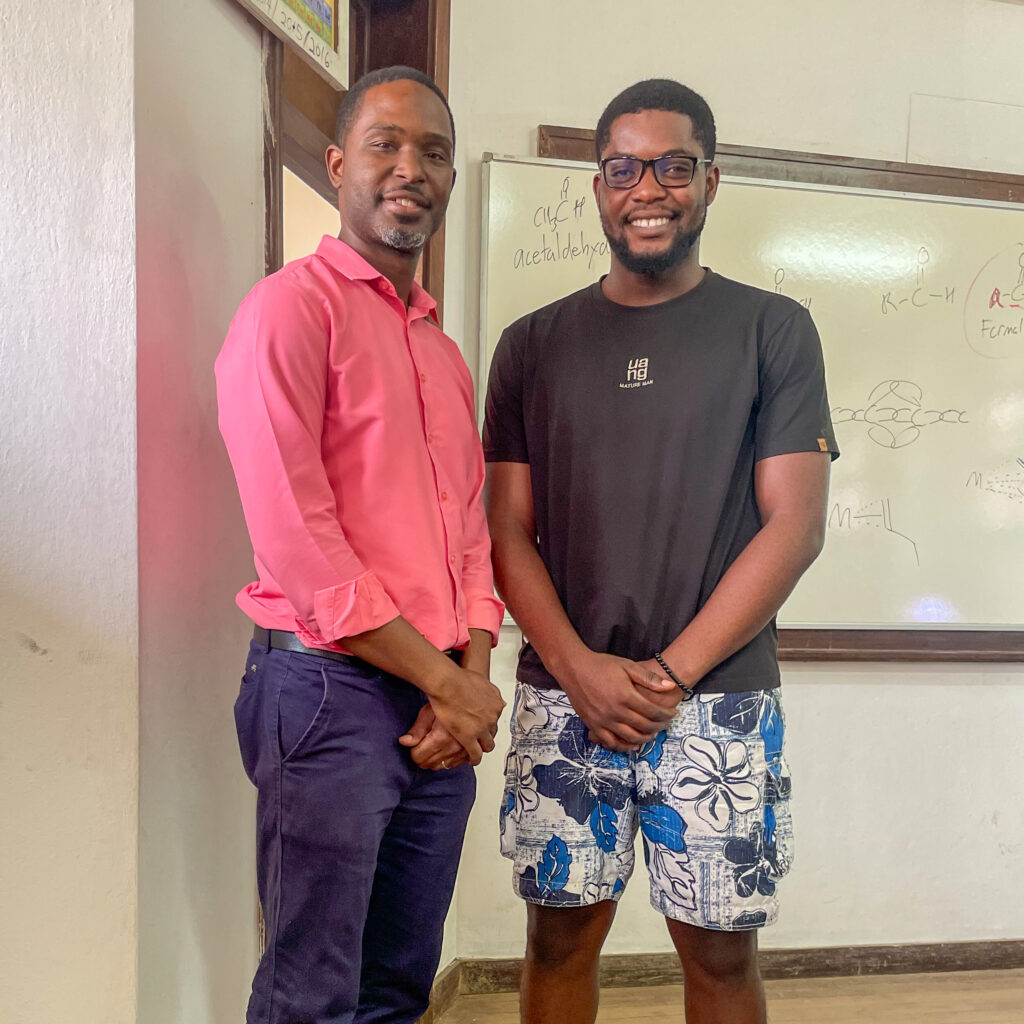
484 612
398 648
465 703
525 586
746 599
477 656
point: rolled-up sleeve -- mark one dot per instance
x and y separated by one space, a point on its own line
271 390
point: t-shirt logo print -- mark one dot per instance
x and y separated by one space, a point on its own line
637 374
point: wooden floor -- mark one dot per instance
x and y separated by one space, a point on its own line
971 997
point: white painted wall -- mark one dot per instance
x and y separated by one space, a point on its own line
68 599
909 819
200 249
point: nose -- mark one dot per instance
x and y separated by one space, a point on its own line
409 165
648 187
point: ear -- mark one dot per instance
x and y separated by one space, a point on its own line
711 188
335 158
597 184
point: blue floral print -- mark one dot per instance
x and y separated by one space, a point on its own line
707 797
753 871
587 782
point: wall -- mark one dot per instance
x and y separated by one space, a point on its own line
68 600
307 217
200 249
909 829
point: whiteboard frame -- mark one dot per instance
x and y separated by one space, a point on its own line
948 186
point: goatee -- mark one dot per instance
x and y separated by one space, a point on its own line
654 264
403 241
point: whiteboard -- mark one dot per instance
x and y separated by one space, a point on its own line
919 301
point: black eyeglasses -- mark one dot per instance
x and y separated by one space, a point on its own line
669 171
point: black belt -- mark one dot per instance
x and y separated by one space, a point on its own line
282 640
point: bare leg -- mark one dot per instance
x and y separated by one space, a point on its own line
723 985
563 946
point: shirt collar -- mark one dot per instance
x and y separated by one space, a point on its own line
349 263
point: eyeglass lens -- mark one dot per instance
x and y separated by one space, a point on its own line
671 171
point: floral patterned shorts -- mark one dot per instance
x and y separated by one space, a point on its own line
710 796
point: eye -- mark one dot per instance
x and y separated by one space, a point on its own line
676 167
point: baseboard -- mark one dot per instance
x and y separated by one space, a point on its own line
911 958
447 986
637 969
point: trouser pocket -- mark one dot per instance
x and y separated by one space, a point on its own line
303 706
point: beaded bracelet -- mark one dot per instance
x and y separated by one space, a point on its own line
687 691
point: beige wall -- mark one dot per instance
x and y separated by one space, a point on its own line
200 248
123 896
307 217
898 840
68 599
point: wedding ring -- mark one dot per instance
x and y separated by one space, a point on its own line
444 766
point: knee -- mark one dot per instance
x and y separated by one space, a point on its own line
556 937
724 958
550 951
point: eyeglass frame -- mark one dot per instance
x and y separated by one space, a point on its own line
653 164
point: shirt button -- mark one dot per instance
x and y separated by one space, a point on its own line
451 558
444 495
430 438
423 376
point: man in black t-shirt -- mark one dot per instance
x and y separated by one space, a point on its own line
659 446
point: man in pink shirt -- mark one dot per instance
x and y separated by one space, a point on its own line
349 419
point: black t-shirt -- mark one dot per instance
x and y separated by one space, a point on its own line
641 426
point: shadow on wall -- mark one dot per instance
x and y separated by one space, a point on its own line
197 877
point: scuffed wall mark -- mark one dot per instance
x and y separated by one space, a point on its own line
30 645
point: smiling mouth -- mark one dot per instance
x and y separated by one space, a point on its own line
406 203
651 218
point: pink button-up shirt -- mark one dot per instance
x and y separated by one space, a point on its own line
350 424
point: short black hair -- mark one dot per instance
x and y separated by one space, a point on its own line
348 109
659 94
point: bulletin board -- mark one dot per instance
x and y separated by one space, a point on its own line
316 29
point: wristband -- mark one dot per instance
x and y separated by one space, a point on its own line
687 691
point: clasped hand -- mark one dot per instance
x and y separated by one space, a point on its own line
457 724
623 703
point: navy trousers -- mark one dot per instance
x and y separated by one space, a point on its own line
357 847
